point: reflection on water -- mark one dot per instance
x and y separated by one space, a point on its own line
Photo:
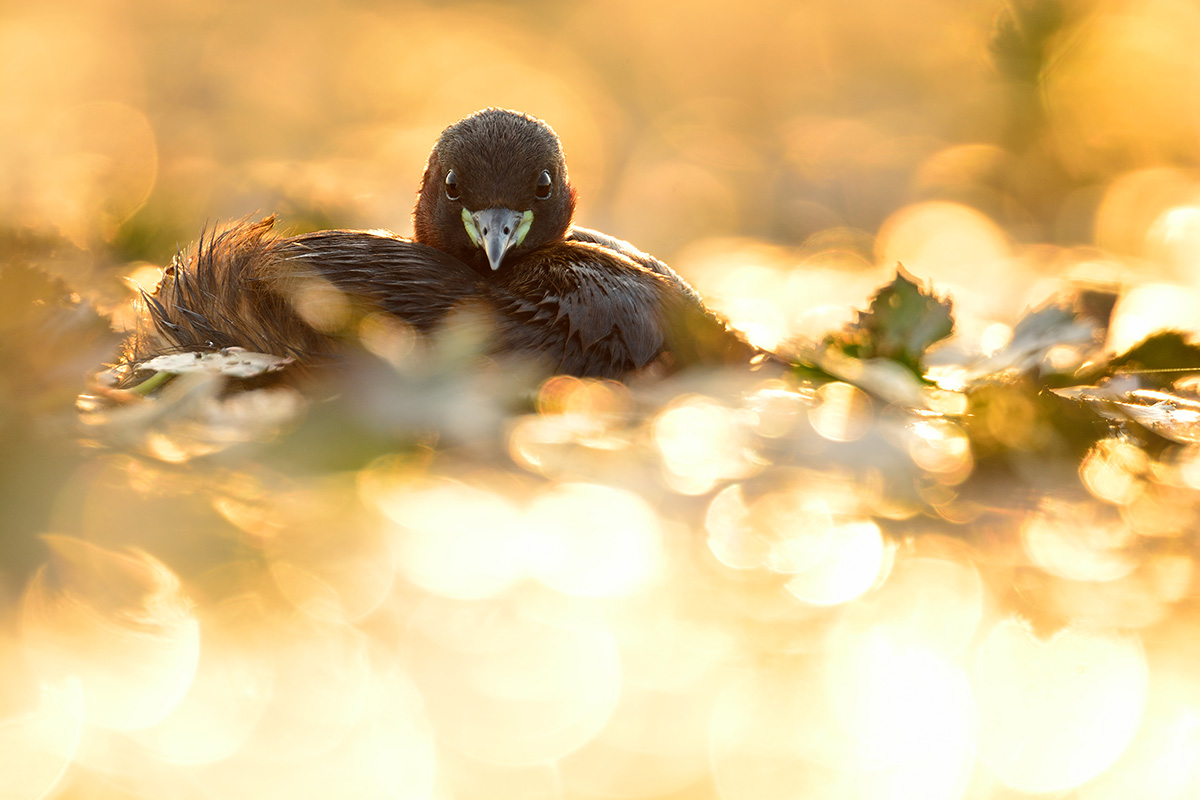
1055 713
120 623
717 596
420 580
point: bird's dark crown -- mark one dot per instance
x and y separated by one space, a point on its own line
496 157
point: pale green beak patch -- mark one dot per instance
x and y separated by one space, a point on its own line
497 230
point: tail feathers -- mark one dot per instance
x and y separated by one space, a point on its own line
229 290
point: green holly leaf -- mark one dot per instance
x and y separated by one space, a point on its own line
902 322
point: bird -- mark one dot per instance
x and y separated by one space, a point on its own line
493 228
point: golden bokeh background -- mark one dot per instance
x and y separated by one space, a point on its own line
720 588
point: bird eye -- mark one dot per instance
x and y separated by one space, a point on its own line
452 191
544 186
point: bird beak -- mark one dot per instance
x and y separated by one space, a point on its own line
497 230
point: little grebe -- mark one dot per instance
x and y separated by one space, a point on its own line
493 227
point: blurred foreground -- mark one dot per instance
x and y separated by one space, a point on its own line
435 577
917 567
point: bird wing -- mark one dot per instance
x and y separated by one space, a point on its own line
590 310
694 333
417 283
635 255
581 308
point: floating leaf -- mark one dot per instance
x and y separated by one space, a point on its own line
1166 414
1035 335
233 362
1166 355
903 321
